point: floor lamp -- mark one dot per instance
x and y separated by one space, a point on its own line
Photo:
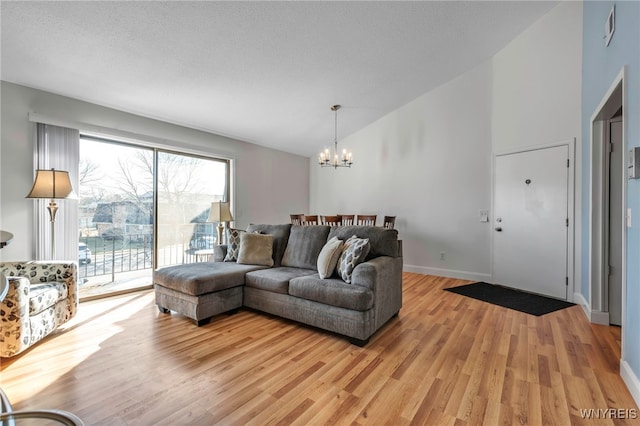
53 184
219 213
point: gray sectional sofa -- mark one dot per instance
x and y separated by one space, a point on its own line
292 287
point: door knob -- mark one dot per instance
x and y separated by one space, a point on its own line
498 228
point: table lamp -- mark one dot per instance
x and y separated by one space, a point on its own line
219 213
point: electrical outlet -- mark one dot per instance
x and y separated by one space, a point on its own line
442 255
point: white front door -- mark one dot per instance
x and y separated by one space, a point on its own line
530 222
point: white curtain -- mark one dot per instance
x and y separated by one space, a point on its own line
58 148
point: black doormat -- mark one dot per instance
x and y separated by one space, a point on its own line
528 303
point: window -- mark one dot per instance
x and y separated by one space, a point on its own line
141 208
187 185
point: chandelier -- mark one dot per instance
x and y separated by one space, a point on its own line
325 159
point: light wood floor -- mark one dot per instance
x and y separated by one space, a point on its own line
446 359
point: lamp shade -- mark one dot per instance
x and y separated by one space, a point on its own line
219 212
51 184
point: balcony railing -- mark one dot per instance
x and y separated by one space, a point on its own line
133 252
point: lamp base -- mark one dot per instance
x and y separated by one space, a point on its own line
220 228
53 209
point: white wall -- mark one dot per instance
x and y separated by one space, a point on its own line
537 82
269 184
429 162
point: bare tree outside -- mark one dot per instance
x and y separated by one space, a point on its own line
88 177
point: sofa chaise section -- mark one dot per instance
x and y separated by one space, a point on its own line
201 290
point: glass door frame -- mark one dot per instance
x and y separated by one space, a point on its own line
156 192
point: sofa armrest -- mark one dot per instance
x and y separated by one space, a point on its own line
382 275
219 252
41 271
14 310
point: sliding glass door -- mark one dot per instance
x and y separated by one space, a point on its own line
142 208
115 246
187 185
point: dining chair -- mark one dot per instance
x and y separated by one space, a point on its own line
366 219
346 219
310 219
296 219
330 220
389 222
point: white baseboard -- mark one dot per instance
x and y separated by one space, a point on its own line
601 318
449 273
631 380
580 300
596 317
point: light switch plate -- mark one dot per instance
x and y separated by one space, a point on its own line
484 215
629 217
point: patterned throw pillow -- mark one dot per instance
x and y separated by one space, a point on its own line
328 258
233 244
354 252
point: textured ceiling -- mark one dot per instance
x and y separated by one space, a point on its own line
263 72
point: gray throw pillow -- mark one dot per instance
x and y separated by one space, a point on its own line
328 258
280 237
354 251
233 244
255 249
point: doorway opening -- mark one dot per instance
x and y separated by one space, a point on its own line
608 215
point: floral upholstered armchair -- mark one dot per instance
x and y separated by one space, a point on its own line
41 296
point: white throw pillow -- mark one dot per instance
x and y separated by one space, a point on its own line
328 258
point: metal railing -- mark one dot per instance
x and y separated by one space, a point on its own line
112 255
125 253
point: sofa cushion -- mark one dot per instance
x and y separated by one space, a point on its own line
233 244
383 242
328 257
255 249
354 251
275 279
45 295
304 246
280 237
204 277
334 292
